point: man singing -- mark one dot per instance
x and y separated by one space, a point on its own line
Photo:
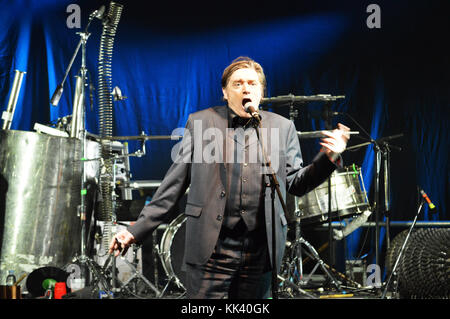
228 248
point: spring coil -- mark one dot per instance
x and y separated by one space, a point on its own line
105 102
104 69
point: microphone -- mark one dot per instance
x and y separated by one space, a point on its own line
97 13
427 199
249 108
117 94
57 95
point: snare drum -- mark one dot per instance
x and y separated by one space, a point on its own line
172 250
348 197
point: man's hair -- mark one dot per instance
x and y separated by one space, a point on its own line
244 62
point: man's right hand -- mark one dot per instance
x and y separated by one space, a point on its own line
121 242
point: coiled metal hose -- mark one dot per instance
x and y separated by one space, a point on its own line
105 99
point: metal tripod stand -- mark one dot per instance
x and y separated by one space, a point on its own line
293 266
127 287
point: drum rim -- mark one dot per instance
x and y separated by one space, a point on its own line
165 245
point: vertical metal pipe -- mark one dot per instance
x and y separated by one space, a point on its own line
8 115
77 116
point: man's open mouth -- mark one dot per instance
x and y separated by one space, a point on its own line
245 101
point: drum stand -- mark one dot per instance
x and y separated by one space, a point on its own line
294 265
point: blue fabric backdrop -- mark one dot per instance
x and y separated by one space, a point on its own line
168 60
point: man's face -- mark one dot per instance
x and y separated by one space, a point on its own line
242 85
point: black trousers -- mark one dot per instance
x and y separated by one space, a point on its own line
239 267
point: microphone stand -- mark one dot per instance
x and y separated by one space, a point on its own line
78 131
402 249
82 43
382 149
386 149
275 186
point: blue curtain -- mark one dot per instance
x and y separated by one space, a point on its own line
168 61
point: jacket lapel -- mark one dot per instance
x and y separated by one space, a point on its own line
220 121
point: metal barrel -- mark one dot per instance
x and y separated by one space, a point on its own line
40 191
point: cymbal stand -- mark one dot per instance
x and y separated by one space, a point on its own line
327 117
385 151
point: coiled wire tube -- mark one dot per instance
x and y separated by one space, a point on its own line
110 22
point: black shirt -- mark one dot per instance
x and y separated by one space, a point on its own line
244 179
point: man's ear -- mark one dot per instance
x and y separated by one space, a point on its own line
225 96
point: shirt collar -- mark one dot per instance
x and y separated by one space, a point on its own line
235 121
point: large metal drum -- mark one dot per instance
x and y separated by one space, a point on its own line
348 197
40 191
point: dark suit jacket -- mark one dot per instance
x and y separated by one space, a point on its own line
207 181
